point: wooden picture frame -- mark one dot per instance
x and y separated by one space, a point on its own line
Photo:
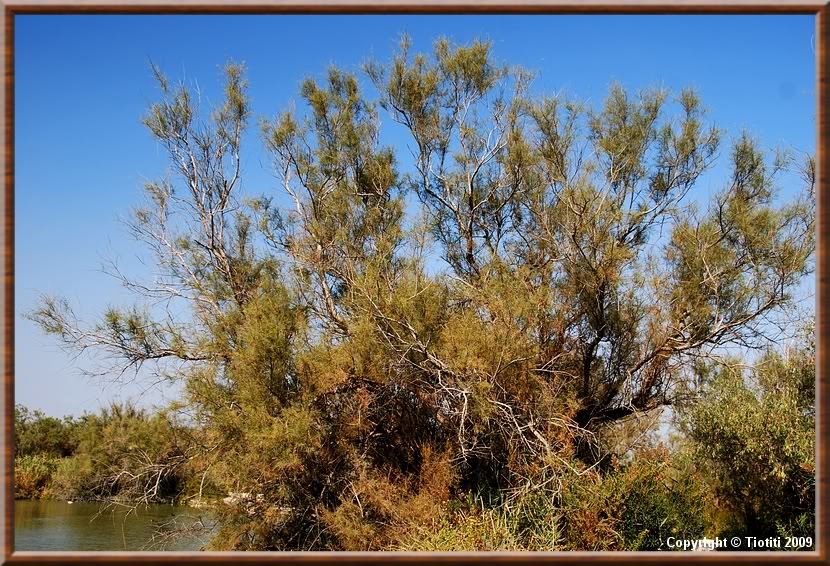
12 8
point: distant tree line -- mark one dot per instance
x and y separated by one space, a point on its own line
120 453
465 341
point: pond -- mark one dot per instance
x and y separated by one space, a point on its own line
63 526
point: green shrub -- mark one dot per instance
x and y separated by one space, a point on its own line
530 522
36 433
753 431
33 475
74 478
636 506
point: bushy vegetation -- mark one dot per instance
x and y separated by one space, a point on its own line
33 474
441 351
120 453
753 432
36 433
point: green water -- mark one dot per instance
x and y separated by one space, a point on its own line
58 525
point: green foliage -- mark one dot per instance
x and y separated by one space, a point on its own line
528 524
754 433
131 454
636 506
33 475
659 502
120 453
38 434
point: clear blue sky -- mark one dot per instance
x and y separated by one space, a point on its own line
82 84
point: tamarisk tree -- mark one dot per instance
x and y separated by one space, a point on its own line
391 327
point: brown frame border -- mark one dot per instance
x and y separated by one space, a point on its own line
819 8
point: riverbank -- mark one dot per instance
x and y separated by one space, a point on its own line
120 453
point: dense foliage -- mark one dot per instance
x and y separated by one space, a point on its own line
753 432
120 453
37 433
432 350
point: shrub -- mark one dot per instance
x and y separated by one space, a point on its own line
33 475
636 506
753 431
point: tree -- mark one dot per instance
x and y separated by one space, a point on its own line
356 379
37 434
125 454
754 433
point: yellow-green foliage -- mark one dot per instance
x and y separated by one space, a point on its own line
754 434
33 475
637 506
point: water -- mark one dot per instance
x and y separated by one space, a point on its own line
58 525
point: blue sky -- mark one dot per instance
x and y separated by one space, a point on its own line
82 84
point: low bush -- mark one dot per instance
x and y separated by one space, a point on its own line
33 475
